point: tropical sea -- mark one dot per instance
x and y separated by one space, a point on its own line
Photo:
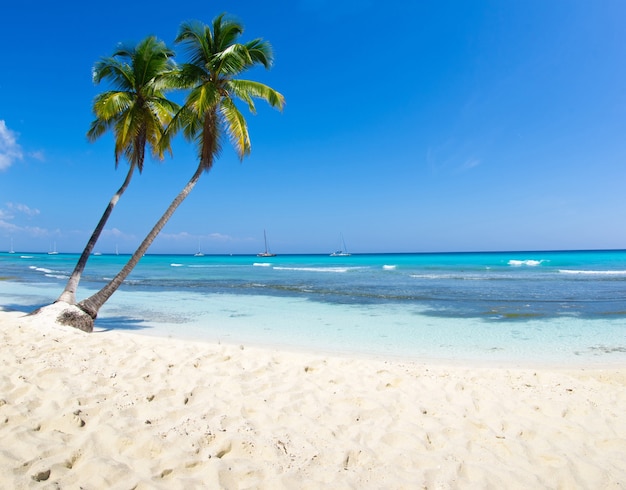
555 307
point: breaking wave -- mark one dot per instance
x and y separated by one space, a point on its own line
529 263
597 273
315 269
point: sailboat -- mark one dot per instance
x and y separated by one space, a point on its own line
54 250
267 252
199 254
11 251
342 252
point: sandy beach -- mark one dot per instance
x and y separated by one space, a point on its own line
118 410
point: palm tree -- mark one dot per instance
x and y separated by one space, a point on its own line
137 112
209 112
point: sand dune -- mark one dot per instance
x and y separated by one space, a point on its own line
117 410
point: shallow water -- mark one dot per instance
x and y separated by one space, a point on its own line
547 307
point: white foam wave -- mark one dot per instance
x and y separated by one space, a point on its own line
313 269
390 267
464 277
432 276
261 264
600 273
530 262
177 265
57 276
41 269
26 256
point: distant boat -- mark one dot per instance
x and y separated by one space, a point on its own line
11 251
54 250
343 251
199 254
267 252
97 253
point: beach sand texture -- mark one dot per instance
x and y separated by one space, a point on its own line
119 410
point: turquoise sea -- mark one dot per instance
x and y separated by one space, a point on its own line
539 307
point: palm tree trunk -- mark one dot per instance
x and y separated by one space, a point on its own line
69 293
92 305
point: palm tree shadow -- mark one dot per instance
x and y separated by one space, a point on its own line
106 324
22 308
112 323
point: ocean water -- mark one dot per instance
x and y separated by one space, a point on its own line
513 307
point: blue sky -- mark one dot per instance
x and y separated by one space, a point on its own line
409 126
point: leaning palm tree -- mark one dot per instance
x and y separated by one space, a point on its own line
137 112
208 115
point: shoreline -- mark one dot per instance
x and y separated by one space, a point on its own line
581 364
132 410
352 330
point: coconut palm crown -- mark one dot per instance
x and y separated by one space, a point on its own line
214 60
136 109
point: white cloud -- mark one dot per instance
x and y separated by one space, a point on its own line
31 231
10 151
22 208
117 234
7 226
221 237
183 235
8 214
37 231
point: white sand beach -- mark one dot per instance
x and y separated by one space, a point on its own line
119 410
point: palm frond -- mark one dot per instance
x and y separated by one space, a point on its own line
119 75
195 41
247 89
97 128
124 50
151 61
260 51
193 129
168 80
109 104
236 127
123 133
232 60
203 99
226 31
164 109
190 75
